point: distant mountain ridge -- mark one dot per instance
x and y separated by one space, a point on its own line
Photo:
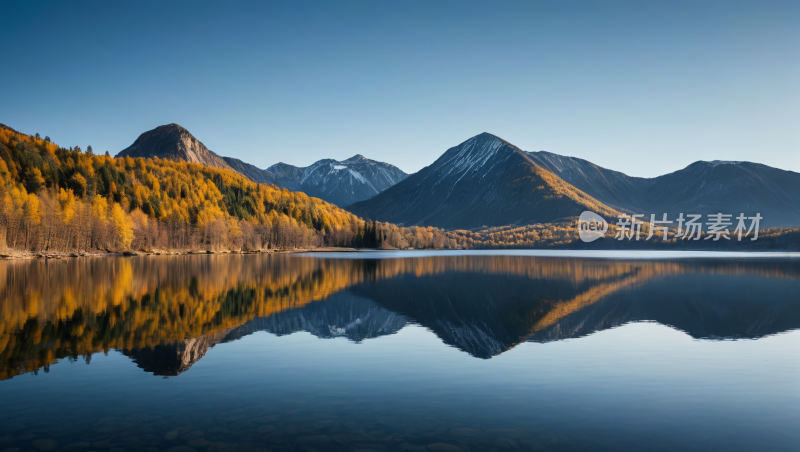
339 182
703 187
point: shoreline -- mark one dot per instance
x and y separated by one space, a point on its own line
96 253
333 250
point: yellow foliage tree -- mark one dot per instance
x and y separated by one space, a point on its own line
66 200
100 208
123 226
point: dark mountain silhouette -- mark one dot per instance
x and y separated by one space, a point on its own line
488 314
483 181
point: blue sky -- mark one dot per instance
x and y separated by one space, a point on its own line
643 87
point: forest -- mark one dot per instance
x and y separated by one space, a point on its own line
56 199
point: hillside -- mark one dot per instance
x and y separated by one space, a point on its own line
58 199
484 181
615 189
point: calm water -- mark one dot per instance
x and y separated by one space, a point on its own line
400 352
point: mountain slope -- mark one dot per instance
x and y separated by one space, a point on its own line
339 182
728 187
612 188
702 187
483 181
173 142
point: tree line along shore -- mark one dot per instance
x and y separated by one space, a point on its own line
57 201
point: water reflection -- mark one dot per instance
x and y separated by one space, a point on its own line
166 312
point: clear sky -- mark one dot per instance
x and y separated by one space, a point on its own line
643 87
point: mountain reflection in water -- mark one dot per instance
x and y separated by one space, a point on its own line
165 312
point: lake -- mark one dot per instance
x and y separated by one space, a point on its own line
412 351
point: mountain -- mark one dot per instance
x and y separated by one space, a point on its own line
339 182
702 187
612 188
488 181
175 143
727 187
483 181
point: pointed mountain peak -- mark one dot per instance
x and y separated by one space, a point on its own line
487 135
487 140
481 147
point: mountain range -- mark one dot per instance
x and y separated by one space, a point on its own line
703 187
487 181
338 182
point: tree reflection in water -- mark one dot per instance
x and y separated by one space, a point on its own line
165 312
